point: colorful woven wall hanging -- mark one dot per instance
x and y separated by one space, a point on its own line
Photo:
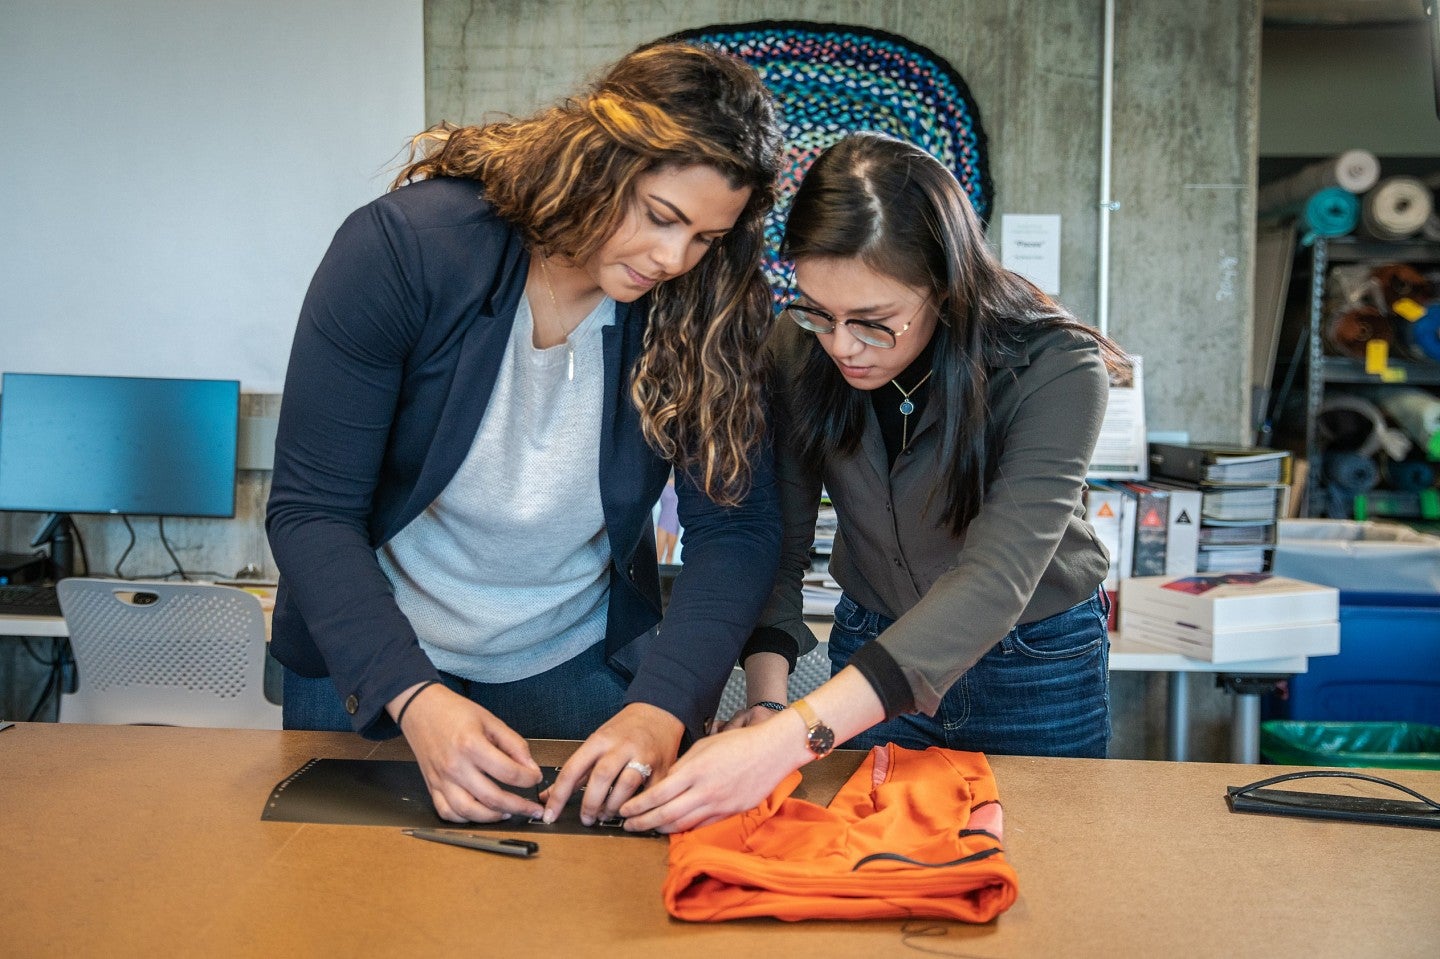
831 80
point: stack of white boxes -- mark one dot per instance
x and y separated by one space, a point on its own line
1231 617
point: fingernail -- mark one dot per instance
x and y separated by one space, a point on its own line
549 817
506 816
587 820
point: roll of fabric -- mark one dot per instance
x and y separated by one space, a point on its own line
1351 423
1330 212
1397 208
1424 334
1348 333
1354 171
1431 229
1351 473
1410 475
1401 281
1416 411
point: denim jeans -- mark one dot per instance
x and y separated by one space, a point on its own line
1043 690
569 701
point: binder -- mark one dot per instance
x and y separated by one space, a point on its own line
1182 545
1219 464
1103 512
1152 524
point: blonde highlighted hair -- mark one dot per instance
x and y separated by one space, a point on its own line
566 176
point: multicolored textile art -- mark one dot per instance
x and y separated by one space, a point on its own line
831 80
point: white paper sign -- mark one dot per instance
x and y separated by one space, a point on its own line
1030 245
1120 450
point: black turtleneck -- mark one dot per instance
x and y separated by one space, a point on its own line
887 399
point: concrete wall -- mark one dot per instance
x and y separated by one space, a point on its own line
1184 142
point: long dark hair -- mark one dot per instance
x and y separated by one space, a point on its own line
903 214
565 178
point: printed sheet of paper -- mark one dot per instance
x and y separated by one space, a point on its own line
1030 246
1120 452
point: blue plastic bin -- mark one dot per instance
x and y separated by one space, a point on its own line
1388 668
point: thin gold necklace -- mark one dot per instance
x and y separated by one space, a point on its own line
907 406
555 305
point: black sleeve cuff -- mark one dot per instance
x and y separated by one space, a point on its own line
885 676
768 639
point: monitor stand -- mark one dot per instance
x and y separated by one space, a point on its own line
57 532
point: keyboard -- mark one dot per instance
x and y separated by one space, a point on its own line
29 601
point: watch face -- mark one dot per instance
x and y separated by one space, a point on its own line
821 739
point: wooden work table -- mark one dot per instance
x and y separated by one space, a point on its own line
146 841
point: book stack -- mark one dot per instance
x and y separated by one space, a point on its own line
818 592
1244 492
1232 617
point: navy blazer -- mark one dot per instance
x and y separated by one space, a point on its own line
396 353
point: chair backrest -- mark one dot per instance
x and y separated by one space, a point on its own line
180 654
811 670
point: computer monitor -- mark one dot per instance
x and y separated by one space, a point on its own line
118 444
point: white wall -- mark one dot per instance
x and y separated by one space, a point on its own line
171 172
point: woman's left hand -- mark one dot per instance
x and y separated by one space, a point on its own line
638 735
721 775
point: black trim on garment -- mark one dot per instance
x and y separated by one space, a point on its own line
768 639
896 857
885 677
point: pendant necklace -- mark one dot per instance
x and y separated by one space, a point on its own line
555 305
907 406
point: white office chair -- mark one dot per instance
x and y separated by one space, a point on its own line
175 654
811 670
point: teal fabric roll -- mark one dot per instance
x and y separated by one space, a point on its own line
1330 212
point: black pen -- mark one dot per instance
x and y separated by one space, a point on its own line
506 847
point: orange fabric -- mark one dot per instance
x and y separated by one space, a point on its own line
938 809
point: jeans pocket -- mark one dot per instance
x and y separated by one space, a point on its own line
1078 631
850 615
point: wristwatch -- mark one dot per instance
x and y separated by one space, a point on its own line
819 737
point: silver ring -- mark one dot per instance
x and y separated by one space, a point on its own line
642 768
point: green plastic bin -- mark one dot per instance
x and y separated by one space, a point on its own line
1383 745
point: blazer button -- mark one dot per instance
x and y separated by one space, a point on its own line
352 704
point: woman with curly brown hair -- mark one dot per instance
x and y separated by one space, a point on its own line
496 367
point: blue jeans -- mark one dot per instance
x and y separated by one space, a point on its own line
1043 690
569 701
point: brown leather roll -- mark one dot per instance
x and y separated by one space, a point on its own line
1348 332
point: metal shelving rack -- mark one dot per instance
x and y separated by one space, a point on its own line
1325 370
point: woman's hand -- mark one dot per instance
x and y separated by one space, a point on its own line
639 735
721 775
466 753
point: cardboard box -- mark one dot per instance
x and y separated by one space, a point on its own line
1232 617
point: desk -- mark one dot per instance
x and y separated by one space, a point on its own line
142 841
1128 653
53 626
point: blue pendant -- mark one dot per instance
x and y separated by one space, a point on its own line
907 407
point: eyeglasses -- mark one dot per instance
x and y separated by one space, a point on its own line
868 332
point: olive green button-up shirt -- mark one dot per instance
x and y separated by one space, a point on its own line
1027 555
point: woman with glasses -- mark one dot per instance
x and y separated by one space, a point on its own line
496 367
950 410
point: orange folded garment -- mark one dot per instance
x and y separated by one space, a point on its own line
911 833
